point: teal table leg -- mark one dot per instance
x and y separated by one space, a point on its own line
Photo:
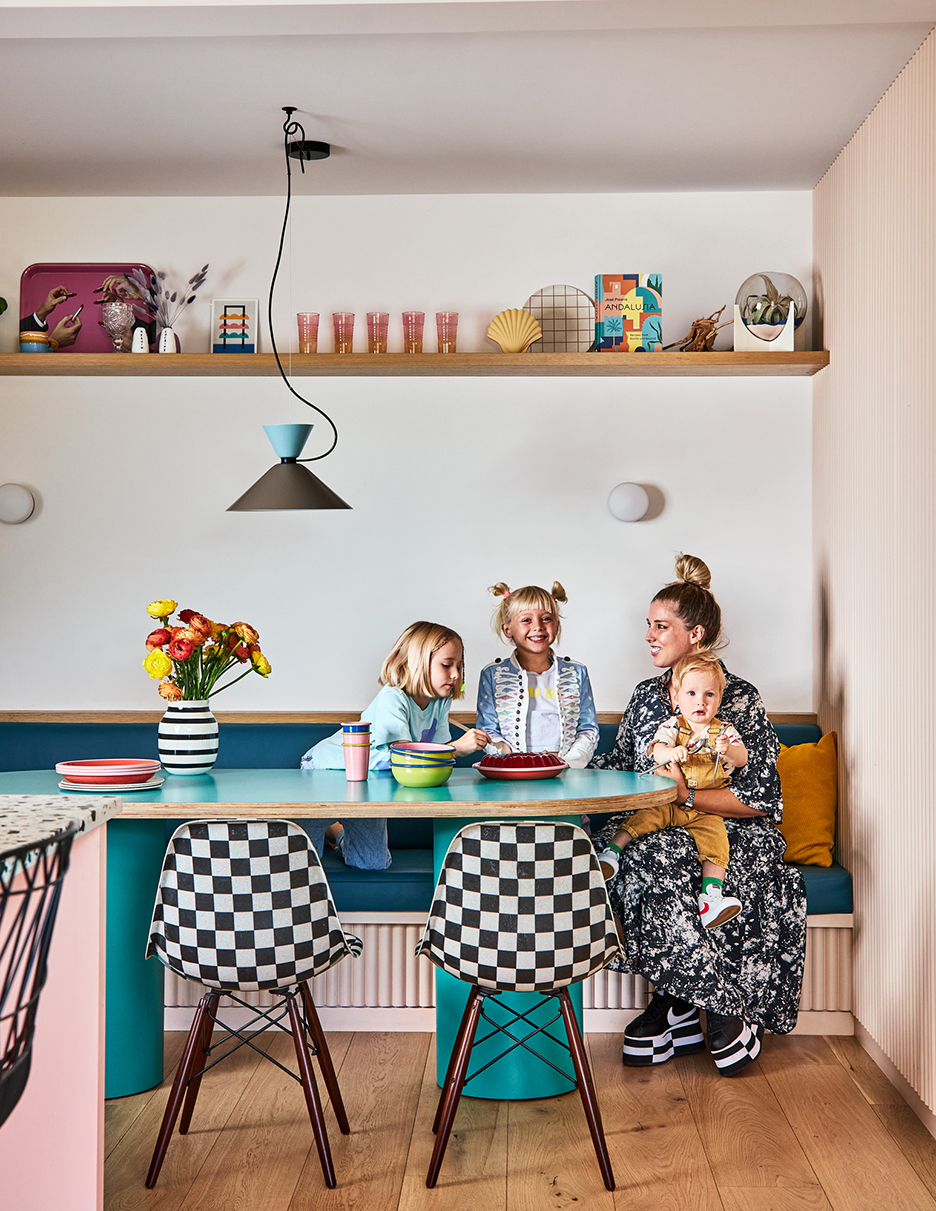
518 1074
133 1057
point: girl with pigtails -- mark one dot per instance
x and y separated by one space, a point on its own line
536 701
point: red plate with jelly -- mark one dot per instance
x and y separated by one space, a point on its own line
517 767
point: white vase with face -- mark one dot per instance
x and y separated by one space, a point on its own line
168 341
188 738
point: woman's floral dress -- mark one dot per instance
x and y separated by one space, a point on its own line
753 965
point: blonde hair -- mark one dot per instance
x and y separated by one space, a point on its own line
699 662
407 666
693 601
530 597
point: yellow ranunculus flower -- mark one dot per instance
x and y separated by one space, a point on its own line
261 664
161 609
157 664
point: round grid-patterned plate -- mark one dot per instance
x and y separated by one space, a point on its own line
567 317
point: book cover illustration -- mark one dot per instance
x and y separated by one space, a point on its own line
628 312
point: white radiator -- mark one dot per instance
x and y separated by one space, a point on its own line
388 988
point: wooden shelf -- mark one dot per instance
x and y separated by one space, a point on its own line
450 365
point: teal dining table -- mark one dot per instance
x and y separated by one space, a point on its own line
136 841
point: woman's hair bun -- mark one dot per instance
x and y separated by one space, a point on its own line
559 592
692 570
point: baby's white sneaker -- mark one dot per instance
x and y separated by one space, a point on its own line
716 908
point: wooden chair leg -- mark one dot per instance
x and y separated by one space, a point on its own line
456 1046
454 1080
186 1066
313 1101
325 1060
206 1033
586 1086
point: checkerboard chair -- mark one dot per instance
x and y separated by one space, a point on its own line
244 905
520 906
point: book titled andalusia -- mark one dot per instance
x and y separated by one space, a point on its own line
628 312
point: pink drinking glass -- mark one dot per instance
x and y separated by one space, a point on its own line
413 331
446 327
377 323
308 322
343 322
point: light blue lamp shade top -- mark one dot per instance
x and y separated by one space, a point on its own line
288 440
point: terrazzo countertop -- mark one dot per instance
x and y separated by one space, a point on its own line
27 819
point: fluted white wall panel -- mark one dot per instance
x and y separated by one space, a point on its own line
874 510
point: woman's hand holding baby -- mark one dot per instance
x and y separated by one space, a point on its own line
472 740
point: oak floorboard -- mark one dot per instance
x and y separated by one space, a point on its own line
120 1113
258 1157
872 1082
789 1051
913 1140
380 1083
857 1162
656 1150
759 1198
126 1171
746 1136
474 1168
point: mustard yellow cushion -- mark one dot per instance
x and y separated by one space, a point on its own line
809 780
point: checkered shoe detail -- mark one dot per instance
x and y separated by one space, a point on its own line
244 904
520 905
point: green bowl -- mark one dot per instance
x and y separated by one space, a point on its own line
408 775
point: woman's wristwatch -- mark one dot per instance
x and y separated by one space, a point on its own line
690 799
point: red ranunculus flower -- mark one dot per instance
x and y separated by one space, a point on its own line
181 649
240 653
157 639
186 615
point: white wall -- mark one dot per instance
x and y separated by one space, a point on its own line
455 483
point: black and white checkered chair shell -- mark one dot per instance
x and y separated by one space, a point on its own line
245 904
520 905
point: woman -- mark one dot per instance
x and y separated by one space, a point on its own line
747 974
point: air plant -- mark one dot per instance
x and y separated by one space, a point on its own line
157 302
771 307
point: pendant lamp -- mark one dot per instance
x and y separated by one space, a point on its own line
289 485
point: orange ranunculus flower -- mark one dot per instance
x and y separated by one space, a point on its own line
157 639
246 632
261 664
199 623
157 664
169 690
195 638
161 609
180 649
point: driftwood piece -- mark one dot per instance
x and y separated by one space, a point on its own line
701 335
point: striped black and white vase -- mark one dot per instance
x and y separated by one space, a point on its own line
188 738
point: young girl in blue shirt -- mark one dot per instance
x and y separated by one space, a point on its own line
421 677
536 701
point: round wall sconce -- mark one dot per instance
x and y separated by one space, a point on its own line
16 504
629 502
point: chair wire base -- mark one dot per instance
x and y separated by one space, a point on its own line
308 1037
456 1076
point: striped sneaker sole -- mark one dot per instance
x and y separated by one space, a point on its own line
742 1051
681 1037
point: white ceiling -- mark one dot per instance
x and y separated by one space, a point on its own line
441 96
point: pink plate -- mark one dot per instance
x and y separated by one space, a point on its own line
105 773
520 773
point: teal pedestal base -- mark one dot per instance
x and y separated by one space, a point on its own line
518 1074
133 1055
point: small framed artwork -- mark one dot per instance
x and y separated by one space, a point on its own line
234 325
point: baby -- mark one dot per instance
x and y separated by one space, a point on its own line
707 751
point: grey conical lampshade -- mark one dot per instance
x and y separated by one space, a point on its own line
288 485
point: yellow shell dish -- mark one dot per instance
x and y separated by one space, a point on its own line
514 330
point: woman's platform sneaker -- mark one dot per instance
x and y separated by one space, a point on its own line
667 1027
733 1043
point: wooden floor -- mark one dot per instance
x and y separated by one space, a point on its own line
812 1126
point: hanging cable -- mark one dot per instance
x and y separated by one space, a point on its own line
302 150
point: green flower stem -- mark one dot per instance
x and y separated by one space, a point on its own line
246 673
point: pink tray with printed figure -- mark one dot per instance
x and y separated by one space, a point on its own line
81 279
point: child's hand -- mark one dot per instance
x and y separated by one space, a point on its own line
471 741
679 753
721 744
